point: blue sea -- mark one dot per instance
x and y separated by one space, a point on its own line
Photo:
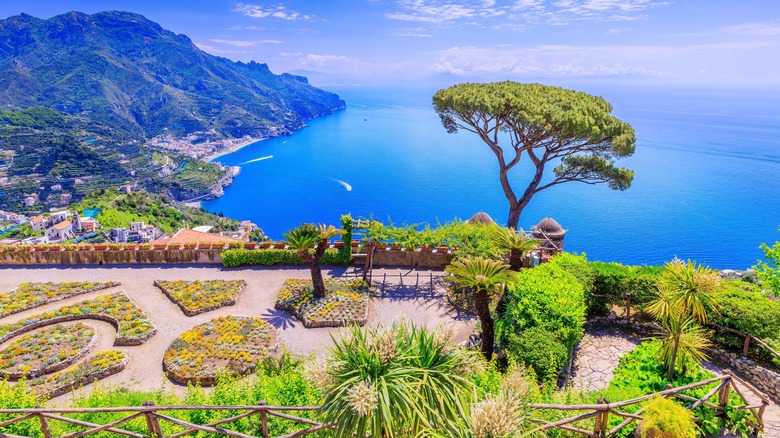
707 184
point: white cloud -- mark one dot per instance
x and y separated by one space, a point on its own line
275 11
243 43
414 32
516 13
762 28
219 50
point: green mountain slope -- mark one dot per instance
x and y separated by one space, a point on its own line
120 68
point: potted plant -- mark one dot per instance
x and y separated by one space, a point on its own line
190 245
159 246
39 247
338 244
54 247
114 246
443 249
130 246
204 245
145 246
174 246
355 243
267 244
280 245
235 245
249 245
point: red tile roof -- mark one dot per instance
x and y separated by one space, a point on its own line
63 225
185 235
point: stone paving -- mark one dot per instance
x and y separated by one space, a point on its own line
597 355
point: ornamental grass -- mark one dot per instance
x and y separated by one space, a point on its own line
30 295
233 345
200 296
346 302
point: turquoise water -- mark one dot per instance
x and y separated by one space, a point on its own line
707 179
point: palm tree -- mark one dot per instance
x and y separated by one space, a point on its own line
484 277
305 237
393 381
517 243
686 293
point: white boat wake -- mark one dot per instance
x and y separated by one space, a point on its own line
343 183
267 157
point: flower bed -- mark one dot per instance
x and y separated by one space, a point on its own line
133 327
233 344
195 297
99 366
31 295
46 351
345 304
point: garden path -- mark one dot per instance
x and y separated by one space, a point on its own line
597 355
419 297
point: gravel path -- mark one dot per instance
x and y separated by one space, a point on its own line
416 294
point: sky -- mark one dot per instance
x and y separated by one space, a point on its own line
709 43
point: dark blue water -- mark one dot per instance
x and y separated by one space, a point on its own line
707 179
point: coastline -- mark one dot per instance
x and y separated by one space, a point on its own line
229 150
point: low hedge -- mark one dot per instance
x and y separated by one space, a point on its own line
741 306
275 257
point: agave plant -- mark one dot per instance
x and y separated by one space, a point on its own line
393 381
307 236
686 293
484 277
516 242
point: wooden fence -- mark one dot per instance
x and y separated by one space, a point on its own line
154 417
600 412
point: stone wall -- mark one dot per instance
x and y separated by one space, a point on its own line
111 257
412 259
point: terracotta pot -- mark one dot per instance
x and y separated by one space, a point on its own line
100 247
266 245
355 243
381 247
280 245
163 246
39 248
54 248
426 249
204 246
338 244
190 245
443 249
249 245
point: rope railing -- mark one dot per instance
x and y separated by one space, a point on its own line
600 412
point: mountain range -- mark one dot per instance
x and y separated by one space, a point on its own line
123 69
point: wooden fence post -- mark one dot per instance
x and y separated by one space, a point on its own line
152 423
602 419
723 396
44 424
263 419
746 346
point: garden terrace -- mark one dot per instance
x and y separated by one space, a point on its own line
232 344
195 297
346 302
133 326
30 295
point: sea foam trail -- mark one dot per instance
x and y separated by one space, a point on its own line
267 157
343 183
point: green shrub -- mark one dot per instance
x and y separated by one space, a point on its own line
542 351
546 297
274 257
749 311
667 417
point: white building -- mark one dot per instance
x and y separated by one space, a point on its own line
60 231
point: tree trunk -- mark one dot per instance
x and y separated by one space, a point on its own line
515 259
482 306
316 279
514 215
670 374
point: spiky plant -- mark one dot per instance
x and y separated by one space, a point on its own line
393 381
484 277
307 236
686 293
682 339
516 242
